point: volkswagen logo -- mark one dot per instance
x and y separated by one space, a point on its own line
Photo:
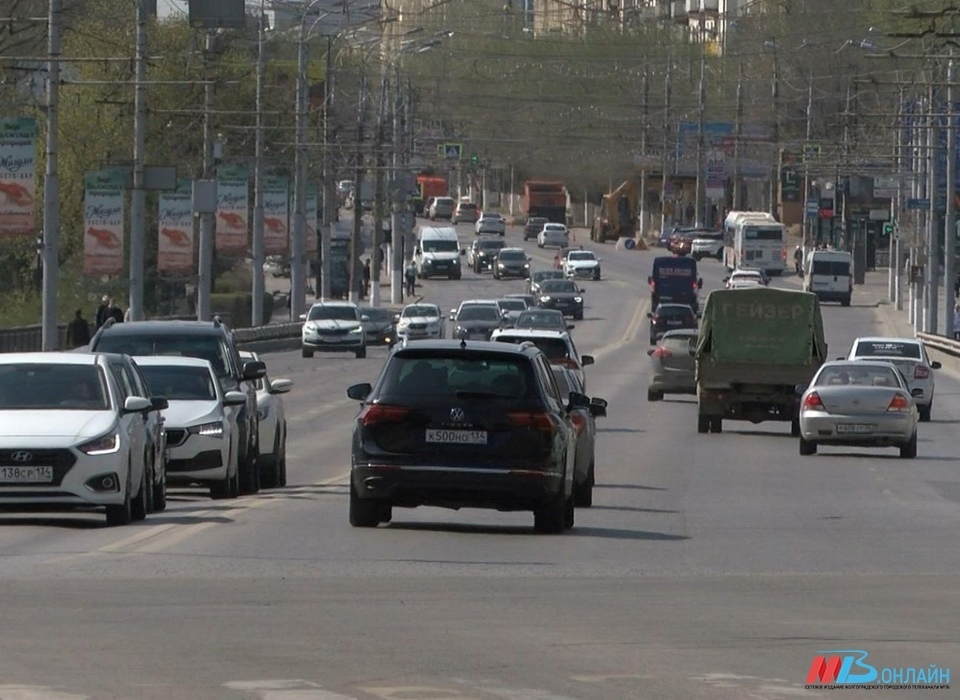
22 456
456 415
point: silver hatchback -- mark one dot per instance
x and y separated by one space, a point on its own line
673 368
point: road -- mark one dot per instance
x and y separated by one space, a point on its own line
711 566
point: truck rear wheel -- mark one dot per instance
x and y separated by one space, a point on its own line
703 424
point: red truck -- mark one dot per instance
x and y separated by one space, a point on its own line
428 186
546 199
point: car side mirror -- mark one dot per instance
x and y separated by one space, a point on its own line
254 369
916 393
586 360
234 398
651 351
359 392
598 407
137 404
935 365
726 279
453 314
303 317
799 389
649 314
570 326
281 386
577 400
159 403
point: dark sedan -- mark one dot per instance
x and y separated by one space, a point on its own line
563 295
511 262
477 322
670 317
535 280
380 328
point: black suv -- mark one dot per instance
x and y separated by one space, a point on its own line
670 317
207 340
464 424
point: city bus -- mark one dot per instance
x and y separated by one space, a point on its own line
754 239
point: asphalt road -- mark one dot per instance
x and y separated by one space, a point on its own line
711 566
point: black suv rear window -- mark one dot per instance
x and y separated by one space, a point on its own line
204 347
457 375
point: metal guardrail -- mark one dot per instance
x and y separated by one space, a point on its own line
942 343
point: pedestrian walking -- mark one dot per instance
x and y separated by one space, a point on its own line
78 331
798 260
101 316
410 274
365 276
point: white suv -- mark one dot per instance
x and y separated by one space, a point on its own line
558 346
201 423
708 244
69 438
553 234
910 357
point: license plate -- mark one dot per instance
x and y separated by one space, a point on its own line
34 475
457 437
855 428
674 322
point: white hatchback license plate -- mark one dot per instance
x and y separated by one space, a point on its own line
458 437
33 475
856 428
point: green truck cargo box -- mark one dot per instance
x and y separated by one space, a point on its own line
755 346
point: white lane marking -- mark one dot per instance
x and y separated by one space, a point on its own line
36 692
605 677
286 689
416 692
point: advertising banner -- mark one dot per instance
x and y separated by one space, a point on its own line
233 230
175 251
311 208
276 215
103 223
18 168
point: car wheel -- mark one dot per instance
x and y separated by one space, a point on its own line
249 473
385 512
654 395
596 276
121 514
845 301
269 465
307 353
552 518
795 427
716 425
578 316
925 413
361 353
909 449
363 513
224 488
583 495
570 515
138 504
807 448
703 424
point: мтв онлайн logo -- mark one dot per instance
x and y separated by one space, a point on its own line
848 667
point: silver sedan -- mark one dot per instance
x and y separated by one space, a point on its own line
861 404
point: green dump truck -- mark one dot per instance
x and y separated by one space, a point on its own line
755 347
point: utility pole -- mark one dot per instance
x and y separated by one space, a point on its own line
645 128
896 263
701 175
205 258
396 230
950 219
298 287
933 192
138 196
664 160
808 134
50 333
380 164
737 140
256 312
777 156
358 184
328 176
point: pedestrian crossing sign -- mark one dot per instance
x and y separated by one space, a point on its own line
451 151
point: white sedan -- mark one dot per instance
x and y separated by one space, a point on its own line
744 279
583 264
273 426
553 234
491 223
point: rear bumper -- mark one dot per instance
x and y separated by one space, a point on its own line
890 430
457 487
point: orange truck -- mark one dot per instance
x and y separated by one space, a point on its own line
546 199
428 186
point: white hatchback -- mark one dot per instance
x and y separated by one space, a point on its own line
554 235
71 437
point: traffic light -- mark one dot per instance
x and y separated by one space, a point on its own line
474 159
889 228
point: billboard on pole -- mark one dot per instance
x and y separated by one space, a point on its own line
175 228
233 231
18 170
103 223
276 215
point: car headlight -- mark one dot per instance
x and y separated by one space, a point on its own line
544 298
578 299
214 429
358 329
500 264
526 265
456 261
103 445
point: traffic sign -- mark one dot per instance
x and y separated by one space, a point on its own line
451 151
918 203
474 159
813 206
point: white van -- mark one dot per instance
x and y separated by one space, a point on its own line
829 275
438 252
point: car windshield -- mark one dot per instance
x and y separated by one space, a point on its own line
456 376
512 255
678 343
443 200
553 348
438 245
582 255
886 348
555 228
536 221
490 245
757 233
479 313
332 313
559 286
52 387
204 347
862 375
835 268
177 383
674 311
512 304
541 275
421 311
541 319
377 314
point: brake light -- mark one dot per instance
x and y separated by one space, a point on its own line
694 285
812 402
899 402
377 413
579 422
660 353
783 254
532 420
921 372
655 318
